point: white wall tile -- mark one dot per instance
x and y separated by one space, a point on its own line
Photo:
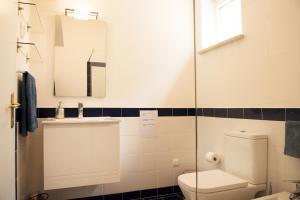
147 180
129 144
164 178
164 161
145 162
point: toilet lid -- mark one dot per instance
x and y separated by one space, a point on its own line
211 181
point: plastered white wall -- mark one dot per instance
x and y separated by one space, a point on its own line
149 53
261 70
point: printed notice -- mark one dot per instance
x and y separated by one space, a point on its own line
148 123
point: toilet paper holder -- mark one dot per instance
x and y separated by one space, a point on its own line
213 158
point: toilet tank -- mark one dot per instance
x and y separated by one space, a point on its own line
246 155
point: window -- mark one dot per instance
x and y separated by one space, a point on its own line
220 21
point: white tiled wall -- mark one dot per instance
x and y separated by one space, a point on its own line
281 167
145 162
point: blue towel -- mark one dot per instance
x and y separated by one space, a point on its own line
292 139
28 104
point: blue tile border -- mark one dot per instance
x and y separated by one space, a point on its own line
171 192
208 112
236 113
92 112
270 114
191 111
221 112
112 112
130 112
180 112
71 112
253 113
165 112
292 114
273 114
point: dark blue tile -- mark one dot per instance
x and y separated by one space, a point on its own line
164 112
180 112
293 114
208 112
171 197
92 112
253 113
236 113
130 112
177 189
199 111
71 112
165 190
152 198
148 108
112 112
191 112
94 198
221 112
274 114
46 112
149 193
113 197
131 195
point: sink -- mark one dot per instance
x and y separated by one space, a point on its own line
80 120
278 196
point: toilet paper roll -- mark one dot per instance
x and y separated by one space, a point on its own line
212 158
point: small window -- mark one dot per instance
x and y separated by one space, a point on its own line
220 20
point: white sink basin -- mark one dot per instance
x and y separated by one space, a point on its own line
278 196
81 120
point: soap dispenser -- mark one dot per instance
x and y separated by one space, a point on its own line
60 111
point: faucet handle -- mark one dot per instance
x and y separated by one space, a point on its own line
80 110
60 104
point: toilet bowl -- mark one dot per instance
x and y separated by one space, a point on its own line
217 185
244 174
277 196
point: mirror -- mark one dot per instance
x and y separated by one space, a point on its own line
79 58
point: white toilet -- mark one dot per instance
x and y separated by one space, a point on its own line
245 174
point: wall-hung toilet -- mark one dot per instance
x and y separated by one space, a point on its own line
244 174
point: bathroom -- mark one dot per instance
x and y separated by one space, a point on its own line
177 81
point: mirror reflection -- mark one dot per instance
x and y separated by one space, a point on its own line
80 52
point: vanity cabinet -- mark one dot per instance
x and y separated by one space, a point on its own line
81 152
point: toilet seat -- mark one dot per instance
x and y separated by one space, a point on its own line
211 181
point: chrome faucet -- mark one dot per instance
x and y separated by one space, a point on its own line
80 110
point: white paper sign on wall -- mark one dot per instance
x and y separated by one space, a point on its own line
148 123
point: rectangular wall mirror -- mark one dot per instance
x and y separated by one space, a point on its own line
80 53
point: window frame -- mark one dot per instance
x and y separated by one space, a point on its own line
220 40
